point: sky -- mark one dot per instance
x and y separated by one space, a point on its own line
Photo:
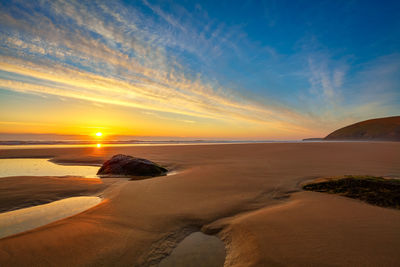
232 70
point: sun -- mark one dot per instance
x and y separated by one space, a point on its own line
99 134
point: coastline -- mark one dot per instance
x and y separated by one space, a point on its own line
243 193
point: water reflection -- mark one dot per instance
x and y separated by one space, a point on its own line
197 250
21 220
43 167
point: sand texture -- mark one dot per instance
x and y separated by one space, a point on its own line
249 195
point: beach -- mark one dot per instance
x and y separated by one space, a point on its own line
247 195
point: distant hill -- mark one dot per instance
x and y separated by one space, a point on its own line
382 129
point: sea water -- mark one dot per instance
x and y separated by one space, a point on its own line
21 220
43 167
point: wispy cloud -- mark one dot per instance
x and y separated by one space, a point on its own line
340 93
326 81
119 61
25 123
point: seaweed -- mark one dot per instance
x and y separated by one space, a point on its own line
374 190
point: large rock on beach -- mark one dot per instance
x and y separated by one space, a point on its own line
130 166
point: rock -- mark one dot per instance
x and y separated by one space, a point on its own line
131 166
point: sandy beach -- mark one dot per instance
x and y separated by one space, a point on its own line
248 195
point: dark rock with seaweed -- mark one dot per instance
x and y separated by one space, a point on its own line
378 191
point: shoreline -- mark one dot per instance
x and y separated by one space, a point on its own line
231 191
100 144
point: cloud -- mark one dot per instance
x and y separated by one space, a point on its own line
326 81
342 93
199 101
121 61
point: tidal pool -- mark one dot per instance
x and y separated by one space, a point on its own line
43 167
17 221
197 250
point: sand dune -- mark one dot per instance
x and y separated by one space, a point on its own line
244 193
315 229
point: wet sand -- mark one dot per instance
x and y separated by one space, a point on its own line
246 194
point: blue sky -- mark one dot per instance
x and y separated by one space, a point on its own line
224 69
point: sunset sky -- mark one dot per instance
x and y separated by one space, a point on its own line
241 70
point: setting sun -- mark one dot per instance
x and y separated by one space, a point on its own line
99 134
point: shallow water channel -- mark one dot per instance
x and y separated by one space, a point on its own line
17 221
197 250
21 220
43 167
